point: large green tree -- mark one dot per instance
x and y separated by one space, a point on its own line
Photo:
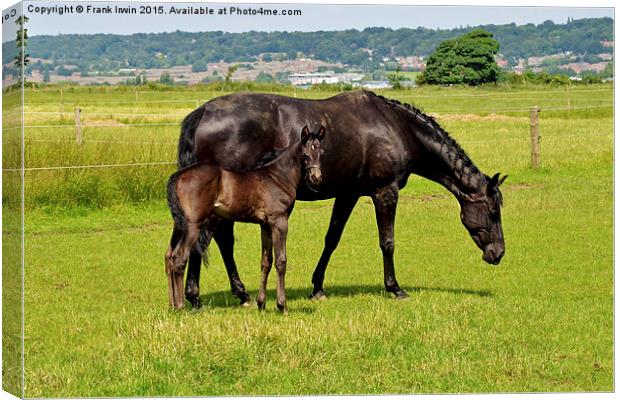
468 59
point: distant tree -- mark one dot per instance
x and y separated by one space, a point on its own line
267 58
291 55
608 72
199 66
22 58
63 71
166 79
264 77
229 74
396 78
468 59
46 76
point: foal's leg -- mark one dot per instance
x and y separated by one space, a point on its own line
174 240
175 263
278 234
225 240
266 260
385 200
340 214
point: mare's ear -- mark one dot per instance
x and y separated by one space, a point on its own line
502 180
321 133
305 134
494 183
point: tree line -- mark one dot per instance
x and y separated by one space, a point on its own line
361 48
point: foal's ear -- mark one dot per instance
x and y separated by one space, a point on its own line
305 133
321 132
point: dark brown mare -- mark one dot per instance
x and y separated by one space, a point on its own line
373 145
202 195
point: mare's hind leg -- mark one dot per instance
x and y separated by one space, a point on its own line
266 260
225 240
196 258
176 258
385 200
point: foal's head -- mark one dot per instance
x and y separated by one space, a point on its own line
311 152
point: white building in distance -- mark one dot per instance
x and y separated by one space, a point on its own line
312 79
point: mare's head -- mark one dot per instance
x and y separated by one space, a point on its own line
311 152
480 213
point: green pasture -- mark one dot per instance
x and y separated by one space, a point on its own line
97 321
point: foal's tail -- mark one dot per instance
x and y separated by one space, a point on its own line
185 158
174 205
178 215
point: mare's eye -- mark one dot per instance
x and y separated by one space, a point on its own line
313 147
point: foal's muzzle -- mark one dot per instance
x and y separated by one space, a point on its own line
314 176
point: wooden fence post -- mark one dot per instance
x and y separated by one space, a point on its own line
78 126
62 103
535 136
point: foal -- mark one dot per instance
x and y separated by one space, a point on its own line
202 194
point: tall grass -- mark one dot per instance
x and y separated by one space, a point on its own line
125 125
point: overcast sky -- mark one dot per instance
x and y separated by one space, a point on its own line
314 17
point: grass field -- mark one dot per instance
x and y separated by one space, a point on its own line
97 321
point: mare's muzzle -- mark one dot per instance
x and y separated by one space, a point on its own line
493 254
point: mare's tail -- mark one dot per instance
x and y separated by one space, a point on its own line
185 155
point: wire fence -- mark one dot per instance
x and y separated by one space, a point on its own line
90 126
177 124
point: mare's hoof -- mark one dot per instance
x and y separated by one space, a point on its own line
401 295
261 306
195 302
283 309
320 295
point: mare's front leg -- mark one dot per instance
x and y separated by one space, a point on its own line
176 258
340 215
385 201
279 230
266 260
225 240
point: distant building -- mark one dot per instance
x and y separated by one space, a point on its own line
312 79
412 62
375 85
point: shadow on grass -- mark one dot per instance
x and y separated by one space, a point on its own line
226 299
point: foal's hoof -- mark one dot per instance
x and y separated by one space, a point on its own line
245 303
320 295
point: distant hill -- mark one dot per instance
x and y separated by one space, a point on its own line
352 47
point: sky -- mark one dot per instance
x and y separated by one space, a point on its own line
313 17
